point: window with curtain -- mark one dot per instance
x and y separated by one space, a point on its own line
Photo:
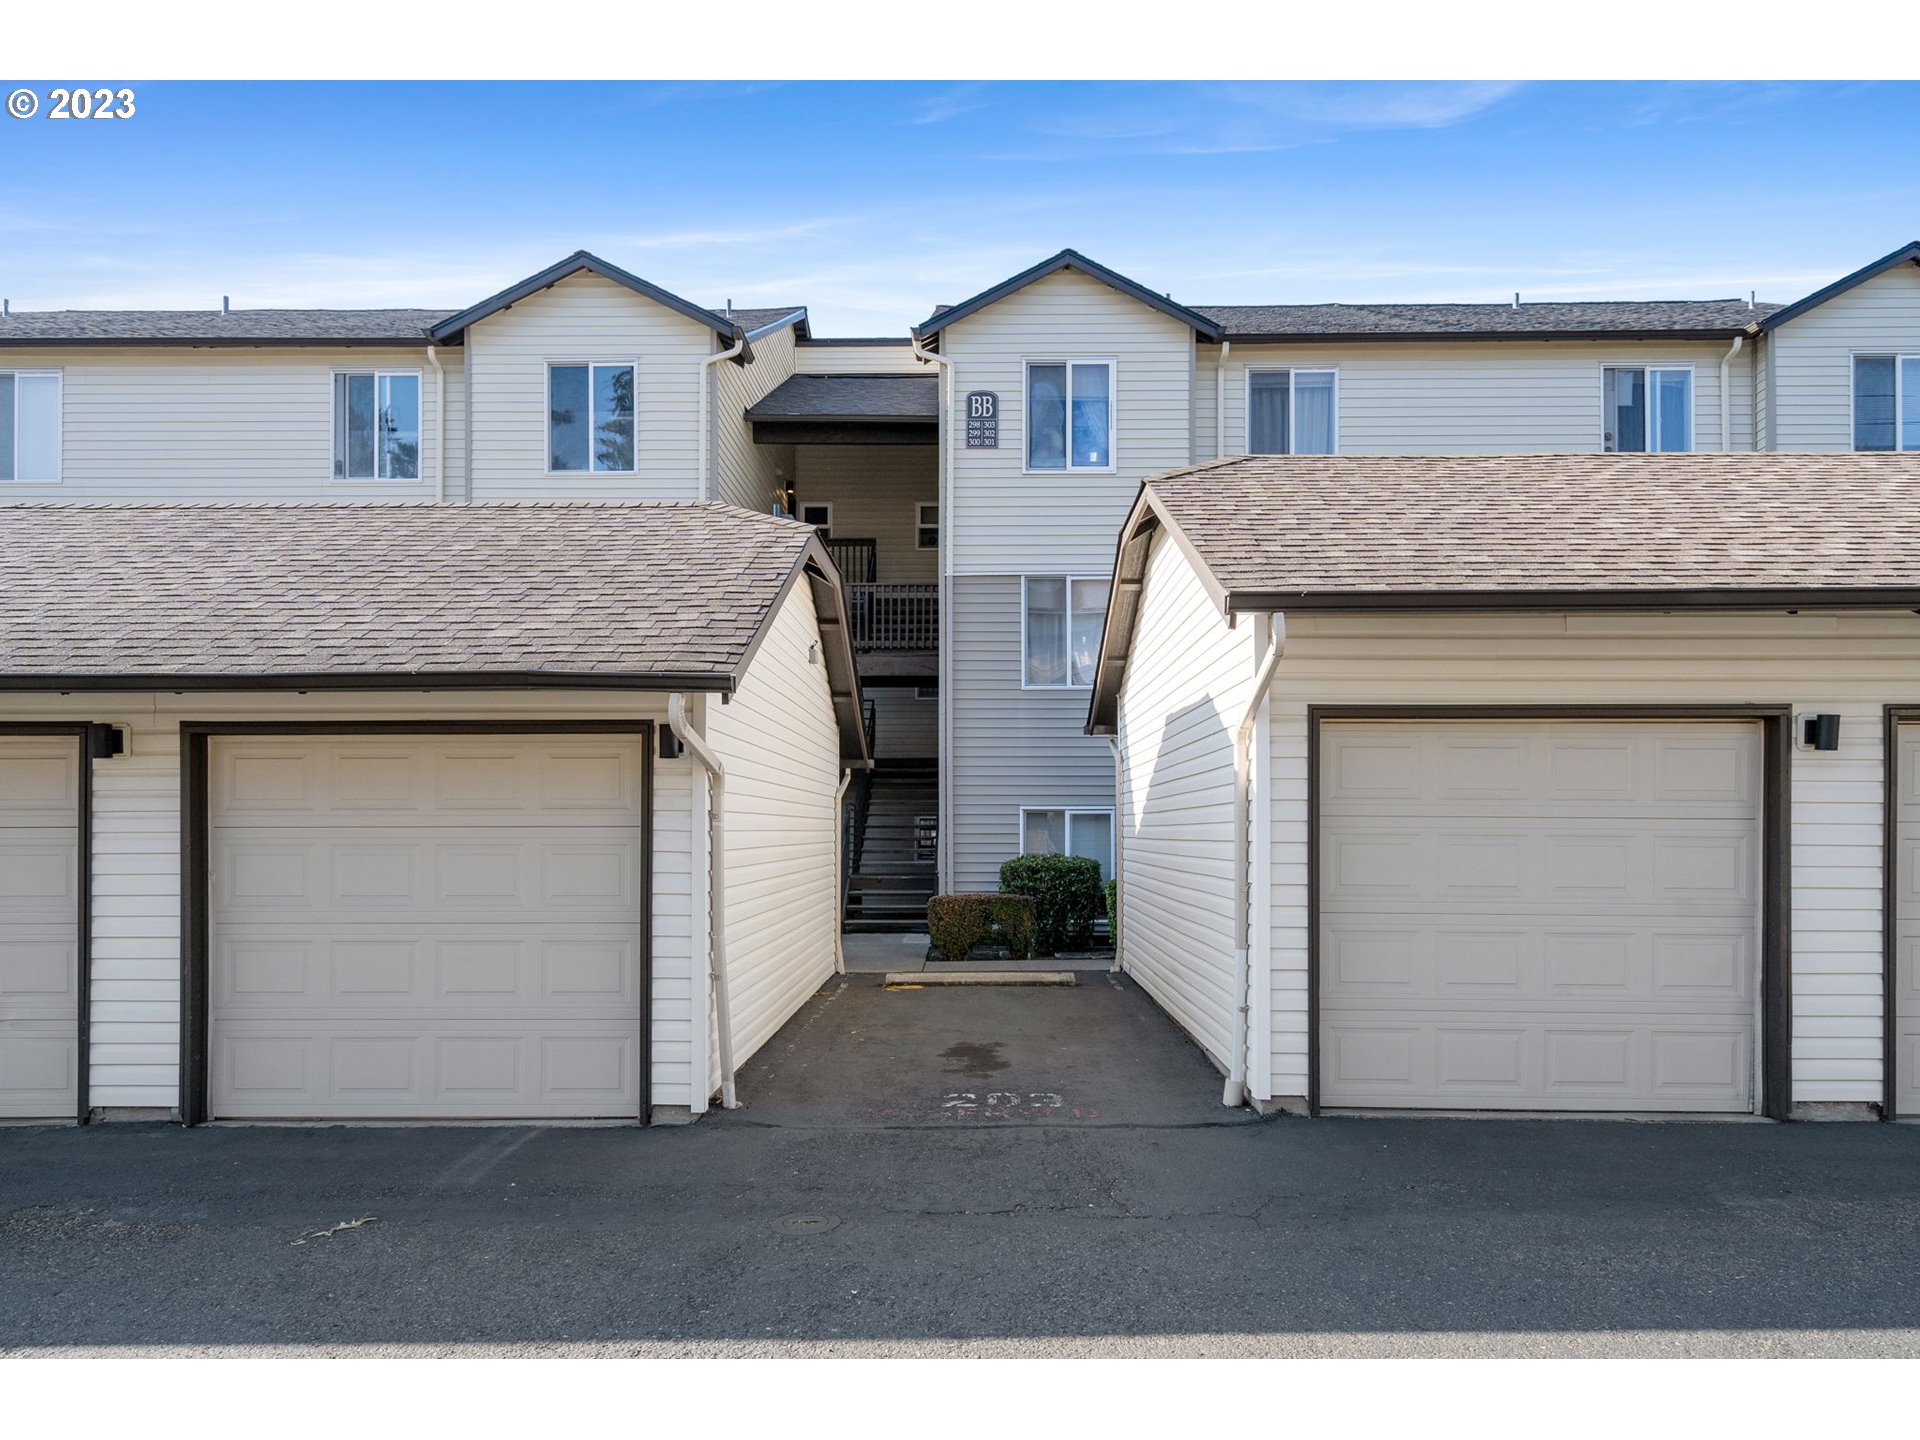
1064 618
1086 833
1070 415
1647 409
376 426
590 418
1886 402
29 427
1290 412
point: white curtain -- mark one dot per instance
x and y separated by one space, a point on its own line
1313 412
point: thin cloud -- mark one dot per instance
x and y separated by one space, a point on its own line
936 109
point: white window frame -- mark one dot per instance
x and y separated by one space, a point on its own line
1899 357
333 425
1067 812
60 424
546 417
926 692
803 507
1291 370
1650 368
1069 580
1113 414
919 524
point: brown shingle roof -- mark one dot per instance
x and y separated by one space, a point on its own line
216 327
1546 319
611 593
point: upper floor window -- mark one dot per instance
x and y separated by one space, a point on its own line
1070 415
1063 617
1647 408
1290 412
926 525
376 426
1886 402
29 426
590 418
818 514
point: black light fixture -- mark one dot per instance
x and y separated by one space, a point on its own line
1820 732
105 741
671 746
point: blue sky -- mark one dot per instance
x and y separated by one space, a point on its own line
870 203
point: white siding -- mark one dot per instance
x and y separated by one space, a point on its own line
586 318
224 424
1472 397
816 357
1188 677
1007 518
873 489
754 477
1812 377
1846 664
780 746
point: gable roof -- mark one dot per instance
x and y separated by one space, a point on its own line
1908 252
1719 531
1066 260
1585 319
579 263
658 595
218 327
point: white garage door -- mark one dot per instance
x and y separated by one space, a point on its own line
433 928
1906 936
39 927
1540 915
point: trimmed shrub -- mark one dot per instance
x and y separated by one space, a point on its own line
1066 897
957 923
1113 912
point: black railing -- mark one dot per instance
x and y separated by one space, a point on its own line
894 615
858 561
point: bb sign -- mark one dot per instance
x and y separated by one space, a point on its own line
983 420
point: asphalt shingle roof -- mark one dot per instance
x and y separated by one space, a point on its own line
1595 317
620 590
240 327
1345 525
851 397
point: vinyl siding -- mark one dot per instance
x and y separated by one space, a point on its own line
1762 362
1813 357
1006 519
1851 665
754 477
904 728
1187 681
224 424
1468 397
1011 747
873 490
779 743
817 359
135 1014
585 318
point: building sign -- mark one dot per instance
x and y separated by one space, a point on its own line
983 420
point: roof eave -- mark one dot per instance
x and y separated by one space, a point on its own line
1337 337
1910 252
1053 265
582 261
722 682
1622 601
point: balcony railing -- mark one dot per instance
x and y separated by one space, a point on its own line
856 560
894 616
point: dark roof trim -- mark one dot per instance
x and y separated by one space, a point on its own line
857 340
576 263
705 680
798 319
1311 602
1068 260
1908 252
1422 337
863 430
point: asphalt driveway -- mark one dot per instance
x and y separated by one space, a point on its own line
854 1209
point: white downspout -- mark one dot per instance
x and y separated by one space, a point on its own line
1726 399
440 427
945 851
839 873
716 889
1119 829
1235 1090
708 489
1220 402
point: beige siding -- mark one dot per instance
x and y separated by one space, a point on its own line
817 358
1469 397
585 318
780 746
754 477
1850 665
224 424
1010 519
873 490
1011 747
904 727
1761 360
1188 677
1813 357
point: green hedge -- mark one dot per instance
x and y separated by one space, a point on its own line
1113 912
1066 897
957 923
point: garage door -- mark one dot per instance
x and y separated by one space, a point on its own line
1906 936
1540 916
425 927
39 927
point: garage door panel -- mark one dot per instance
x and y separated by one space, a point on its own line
1539 915
1906 925
39 927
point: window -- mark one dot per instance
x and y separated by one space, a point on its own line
819 514
1064 616
926 692
376 426
29 426
1886 402
1290 412
1647 409
1086 833
1070 415
926 838
590 418
926 526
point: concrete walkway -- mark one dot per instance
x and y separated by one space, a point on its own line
879 954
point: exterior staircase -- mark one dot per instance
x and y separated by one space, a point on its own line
891 820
